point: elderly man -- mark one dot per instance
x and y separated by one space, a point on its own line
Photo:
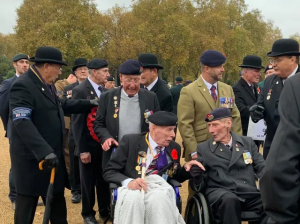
268 72
199 98
245 90
285 59
162 159
110 84
231 162
124 110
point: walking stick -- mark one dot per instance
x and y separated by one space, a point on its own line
144 156
49 196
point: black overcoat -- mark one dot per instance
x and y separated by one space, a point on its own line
175 92
163 95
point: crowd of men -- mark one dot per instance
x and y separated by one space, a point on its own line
95 133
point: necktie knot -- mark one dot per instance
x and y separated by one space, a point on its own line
158 148
100 89
228 146
213 88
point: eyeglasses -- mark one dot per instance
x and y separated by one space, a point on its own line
59 69
277 60
82 69
135 80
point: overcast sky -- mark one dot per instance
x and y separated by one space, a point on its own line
284 13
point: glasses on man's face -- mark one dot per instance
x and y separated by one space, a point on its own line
59 68
130 80
82 69
277 60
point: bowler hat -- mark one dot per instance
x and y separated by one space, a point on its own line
284 47
79 62
149 61
48 55
252 61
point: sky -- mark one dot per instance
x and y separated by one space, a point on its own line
282 12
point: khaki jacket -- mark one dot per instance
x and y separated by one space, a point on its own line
60 86
195 102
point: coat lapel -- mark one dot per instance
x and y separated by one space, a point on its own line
141 146
248 89
91 93
220 150
237 149
143 108
205 92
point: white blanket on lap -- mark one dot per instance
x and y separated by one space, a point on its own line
158 207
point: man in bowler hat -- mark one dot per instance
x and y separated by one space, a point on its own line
245 90
37 134
152 82
21 64
284 58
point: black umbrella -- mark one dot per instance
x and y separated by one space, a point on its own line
49 196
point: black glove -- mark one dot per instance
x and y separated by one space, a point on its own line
51 160
94 102
196 172
257 113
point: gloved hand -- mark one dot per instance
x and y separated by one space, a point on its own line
196 172
51 160
257 113
94 102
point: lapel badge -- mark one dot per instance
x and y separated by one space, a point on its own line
237 149
269 94
221 150
204 89
92 92
115 97
137 168
223 93
42 89
214 142
277 82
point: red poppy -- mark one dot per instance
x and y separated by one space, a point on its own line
258 89
174 154
90 123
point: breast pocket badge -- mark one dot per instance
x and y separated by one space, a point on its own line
247 158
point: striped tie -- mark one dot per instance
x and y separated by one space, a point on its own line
152 167
213 92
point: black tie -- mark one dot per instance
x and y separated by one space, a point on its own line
100 89
252 87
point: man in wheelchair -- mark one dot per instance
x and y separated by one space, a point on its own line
231 162
157 205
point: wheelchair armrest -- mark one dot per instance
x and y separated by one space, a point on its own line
174 183
113 186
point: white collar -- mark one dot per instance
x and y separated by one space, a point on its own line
127 94
152 84
293 73
230 142
208 85
17 75
152 143
95 85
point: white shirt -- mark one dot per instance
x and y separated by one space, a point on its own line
229 143
152 84
17 75
95 86
149 159
293 73
208 85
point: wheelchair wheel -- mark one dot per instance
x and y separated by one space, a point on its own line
197 211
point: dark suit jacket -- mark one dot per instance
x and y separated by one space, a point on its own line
274 85
39 135
175 92
4 105
226 170
163 95
244 99
106 126
280 189
124 160
83 139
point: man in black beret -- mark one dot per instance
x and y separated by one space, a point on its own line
110 84
21 64
37 133
284 58
175 92
236 161
162 158
152 82
88 147
246 89
268 72
124 110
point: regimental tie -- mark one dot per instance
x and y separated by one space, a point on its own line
152 169
100 89
213 92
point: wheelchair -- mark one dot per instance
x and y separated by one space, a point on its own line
198 210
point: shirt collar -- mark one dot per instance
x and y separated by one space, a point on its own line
230 142
152 84
17 75
152 143
208 85
95 85
293 73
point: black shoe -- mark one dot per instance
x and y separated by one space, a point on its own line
104 215
76 198
90 220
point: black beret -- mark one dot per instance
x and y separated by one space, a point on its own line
131 67
19 57
179 79
97 63
269 67
218 114
212 58
163 118
110 79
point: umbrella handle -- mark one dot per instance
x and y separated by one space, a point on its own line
52 171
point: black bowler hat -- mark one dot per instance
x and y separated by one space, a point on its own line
252 61
218 114
97 63
110 79
131 67
179 79
212 58
284 47
19 57
79 62
48 55
163 118
149 61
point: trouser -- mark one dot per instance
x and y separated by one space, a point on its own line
74 170
12 189
228 208
26 206
91 176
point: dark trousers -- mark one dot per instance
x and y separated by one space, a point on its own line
26 206
91 176
74 170
12 189
228 208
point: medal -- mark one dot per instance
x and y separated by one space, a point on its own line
214 142
42 89
115 115
268 97
221 150
269 94
237 149
137 168
92 92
